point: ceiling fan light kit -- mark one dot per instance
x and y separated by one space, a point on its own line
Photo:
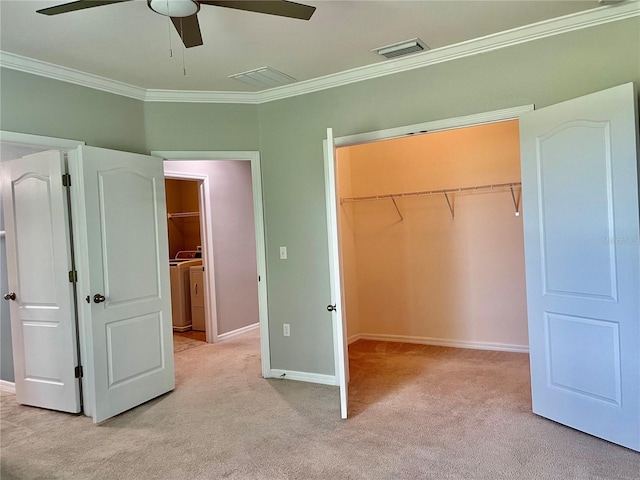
183 13
174 8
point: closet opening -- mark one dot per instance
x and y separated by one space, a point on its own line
186 268
431 242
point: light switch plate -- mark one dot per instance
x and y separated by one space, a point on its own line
283 253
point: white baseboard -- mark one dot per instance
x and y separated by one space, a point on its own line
239 331
9 387
353 338
442 342
303 376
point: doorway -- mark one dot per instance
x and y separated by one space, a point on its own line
37 143
431 243
232 235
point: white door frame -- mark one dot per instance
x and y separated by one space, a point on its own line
206 234
387 134
258 213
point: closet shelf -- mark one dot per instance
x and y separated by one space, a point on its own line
182 215
489 188
494 187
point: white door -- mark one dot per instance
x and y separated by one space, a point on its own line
341 352
126 294
580 198
43 321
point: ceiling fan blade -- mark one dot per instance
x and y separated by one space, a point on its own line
281 8
78 5
189 30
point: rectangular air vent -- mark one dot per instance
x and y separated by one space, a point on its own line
264 77
407 47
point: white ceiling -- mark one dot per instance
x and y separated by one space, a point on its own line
129 43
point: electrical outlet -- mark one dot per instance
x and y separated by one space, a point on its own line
283 253
286 330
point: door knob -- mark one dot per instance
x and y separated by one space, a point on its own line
331 308
97 298
10 296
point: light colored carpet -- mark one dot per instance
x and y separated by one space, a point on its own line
417 413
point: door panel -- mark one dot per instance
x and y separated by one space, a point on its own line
43 328
130 332
580 194
120 252
341 349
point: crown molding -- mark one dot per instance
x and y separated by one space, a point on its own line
69 75
516 36
196 96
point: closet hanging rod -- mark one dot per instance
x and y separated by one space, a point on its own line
494 187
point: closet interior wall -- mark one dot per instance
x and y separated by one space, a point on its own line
416 273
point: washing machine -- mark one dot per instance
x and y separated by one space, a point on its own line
181 292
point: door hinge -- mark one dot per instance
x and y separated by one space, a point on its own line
78 372
73 276
66 180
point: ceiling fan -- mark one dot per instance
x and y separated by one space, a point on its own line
183 13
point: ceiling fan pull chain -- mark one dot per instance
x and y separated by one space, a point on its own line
169 24
170 46
184 68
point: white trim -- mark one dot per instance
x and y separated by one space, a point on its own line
258 213
39 140
446 342
434 126
354 338
69 75
195 96
238 331
489 43
9 387
303 377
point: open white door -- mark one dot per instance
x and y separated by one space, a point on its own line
125 288
43 320
580 199
341 352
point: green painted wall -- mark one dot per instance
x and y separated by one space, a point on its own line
289 135
543 72
201 126
41 106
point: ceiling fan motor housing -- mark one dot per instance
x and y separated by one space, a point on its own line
174 8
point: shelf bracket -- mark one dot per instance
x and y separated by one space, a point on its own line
446 197
516 202
397 209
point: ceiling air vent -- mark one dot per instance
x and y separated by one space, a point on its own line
407 47
264 77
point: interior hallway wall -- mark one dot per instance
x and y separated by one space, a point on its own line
234 238
431 277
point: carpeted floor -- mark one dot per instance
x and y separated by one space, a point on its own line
417 412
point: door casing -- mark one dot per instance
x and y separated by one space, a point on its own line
387 134
261 254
